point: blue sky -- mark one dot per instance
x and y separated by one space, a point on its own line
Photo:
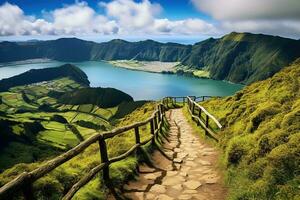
172 9
185 21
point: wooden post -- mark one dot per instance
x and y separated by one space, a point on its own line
193 107
159 113
155 124
183 100
199 114
203 97
152 130
104 159
28 191
206 123
137 141
137 135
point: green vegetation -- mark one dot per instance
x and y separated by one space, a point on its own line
102 97
236 57
39 75
261 137
42 120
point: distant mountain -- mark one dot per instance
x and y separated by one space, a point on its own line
243 57
47 74
236 57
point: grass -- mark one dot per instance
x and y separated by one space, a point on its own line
201 73
261 137
32 148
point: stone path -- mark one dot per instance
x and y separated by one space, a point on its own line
191 174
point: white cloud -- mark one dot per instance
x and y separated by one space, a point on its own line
287 28
75 19
124 17
14 22
275 17
132 15
184 27
79 18
142 18
250 9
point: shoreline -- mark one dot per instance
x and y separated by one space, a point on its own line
146 66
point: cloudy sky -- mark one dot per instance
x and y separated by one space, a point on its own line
164 20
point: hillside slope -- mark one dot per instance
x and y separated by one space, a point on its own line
243 57
102 97
39 75
236 57
261 138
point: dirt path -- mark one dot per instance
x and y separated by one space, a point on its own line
191 174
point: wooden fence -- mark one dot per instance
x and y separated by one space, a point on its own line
198 113
24 182
203 117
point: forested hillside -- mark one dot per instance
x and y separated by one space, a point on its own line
47 74
236 57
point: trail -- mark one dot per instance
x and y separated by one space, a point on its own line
191 174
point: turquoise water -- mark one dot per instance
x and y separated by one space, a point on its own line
140 85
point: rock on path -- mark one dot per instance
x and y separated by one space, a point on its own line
192 173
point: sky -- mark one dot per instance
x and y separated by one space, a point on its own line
184 21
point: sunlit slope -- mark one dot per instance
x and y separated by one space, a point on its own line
261 138
243 57
45 118
47 74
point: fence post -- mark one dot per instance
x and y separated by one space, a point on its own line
152 130
137 135
199 114
203 97
28 191
155 124
137 141
104 159
159 113
206 123
193 107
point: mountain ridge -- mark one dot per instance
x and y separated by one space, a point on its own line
236 57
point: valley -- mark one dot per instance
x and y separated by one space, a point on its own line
236 57
48 108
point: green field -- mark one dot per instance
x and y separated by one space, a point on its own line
35 127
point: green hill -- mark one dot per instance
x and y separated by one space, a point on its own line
261 138
236 57
36 126
39 75
243 57
102 97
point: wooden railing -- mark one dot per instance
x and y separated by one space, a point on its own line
24 182
198 113
181 101
203 117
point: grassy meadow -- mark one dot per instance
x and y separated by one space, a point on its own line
36 126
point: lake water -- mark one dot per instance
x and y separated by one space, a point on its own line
140 85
